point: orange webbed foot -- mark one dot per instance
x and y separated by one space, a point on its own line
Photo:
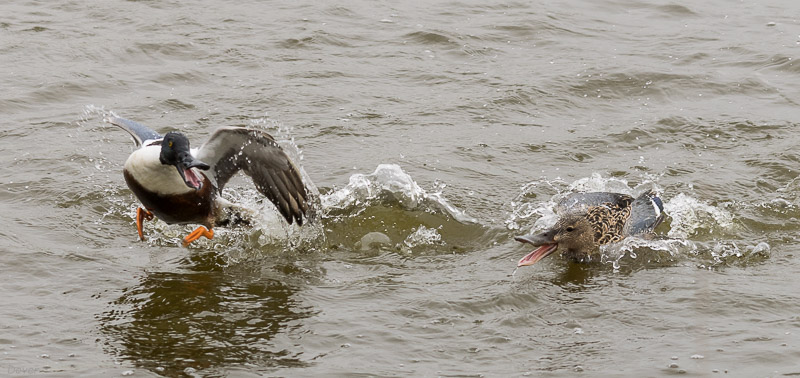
141 216
196 234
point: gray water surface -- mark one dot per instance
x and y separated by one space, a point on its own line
433 133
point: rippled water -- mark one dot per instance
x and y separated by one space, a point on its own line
434 133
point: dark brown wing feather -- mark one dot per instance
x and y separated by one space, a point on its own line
234 149
608 221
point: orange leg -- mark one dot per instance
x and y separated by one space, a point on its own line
141 216
196 234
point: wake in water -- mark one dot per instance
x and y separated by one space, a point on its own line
383 210
388 184
690 222
388 209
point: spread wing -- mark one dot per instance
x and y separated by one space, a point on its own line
139 132
234 149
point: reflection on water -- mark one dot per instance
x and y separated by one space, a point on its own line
204 317
238 305
576 276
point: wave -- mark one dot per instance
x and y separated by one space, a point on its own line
388 209
388 184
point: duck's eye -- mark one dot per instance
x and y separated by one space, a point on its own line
570 229
170 144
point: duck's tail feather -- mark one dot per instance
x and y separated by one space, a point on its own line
139 132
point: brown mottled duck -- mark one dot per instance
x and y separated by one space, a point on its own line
590 220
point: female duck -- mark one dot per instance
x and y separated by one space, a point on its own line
589 220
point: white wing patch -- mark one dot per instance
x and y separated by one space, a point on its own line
656 209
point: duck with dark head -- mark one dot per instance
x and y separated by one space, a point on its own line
180 185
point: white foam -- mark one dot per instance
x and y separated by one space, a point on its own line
423 236
690 215
522 209
388 183
726 250
596 183
628 247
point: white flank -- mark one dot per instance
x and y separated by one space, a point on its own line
146 168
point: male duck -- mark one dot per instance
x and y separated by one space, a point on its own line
589 220
182 185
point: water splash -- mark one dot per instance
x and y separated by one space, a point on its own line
725 252
596 183
656 249
690 217
423 236
388 184
265 225
91 111
522 209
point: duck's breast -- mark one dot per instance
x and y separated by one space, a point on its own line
145 167
162 191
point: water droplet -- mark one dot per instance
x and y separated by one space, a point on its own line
697 357
127 373
672 366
